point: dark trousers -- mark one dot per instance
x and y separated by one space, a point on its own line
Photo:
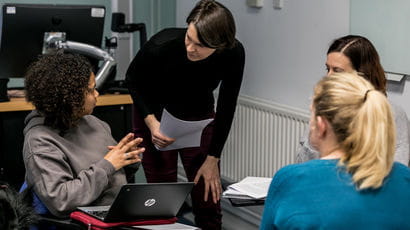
161 166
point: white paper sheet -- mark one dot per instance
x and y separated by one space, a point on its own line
253 187
176 226
186 133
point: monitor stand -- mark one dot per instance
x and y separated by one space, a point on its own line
3 90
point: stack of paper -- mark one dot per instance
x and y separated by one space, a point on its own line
249 188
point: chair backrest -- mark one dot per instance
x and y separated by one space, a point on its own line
46 220
38 205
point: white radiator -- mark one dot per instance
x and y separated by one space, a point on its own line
264 137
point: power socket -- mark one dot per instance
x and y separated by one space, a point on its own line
278 4
255 3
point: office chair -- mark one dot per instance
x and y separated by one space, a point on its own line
46 220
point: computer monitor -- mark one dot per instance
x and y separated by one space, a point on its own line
23 27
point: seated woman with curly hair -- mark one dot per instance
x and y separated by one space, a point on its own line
70 156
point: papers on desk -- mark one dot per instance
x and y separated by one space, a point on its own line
175 226
249 188
186 133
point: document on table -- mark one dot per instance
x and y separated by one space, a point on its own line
249 188
186 133
175 226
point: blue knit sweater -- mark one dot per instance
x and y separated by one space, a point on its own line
320 195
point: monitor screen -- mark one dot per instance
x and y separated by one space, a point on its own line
23 27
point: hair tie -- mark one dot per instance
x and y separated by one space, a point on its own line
365 95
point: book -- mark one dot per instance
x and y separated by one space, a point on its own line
96 224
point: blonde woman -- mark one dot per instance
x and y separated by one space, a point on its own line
355 184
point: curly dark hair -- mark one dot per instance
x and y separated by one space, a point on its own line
56 84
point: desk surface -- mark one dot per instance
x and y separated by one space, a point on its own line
20 104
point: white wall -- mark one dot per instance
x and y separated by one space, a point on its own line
124 51
285 49
378 21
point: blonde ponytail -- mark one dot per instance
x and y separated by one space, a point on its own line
362 120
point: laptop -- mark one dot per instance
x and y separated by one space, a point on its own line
143 201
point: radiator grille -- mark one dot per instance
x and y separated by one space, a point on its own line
264 137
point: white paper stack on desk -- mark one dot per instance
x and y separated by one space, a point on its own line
250 188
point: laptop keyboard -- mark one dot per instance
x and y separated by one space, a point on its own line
100 214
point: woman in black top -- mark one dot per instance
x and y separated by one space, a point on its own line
179 69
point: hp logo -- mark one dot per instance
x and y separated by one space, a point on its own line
149 202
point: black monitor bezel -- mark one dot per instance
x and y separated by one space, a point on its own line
13 62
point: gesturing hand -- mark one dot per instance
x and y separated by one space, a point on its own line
126 152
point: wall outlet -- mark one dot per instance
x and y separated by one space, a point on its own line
255 3
278 4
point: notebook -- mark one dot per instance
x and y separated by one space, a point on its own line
143 201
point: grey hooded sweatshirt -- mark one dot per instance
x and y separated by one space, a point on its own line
70 170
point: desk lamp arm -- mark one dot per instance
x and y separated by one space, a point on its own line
94 52
57 40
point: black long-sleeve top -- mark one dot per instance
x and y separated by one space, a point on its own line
161 76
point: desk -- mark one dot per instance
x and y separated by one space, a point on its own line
115 109
20 104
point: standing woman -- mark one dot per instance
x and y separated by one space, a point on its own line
355 184
356 53
179 69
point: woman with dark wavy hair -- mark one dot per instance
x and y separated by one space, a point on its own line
70 156
353 53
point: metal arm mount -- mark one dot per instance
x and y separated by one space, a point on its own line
54 41
95 52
